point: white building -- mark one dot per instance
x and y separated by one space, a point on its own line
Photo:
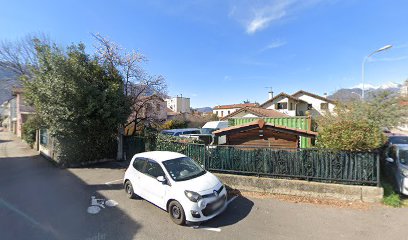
224 110
179 104
299 103
404 89
404 93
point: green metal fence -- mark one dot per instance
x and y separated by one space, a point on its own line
198 152
293 122
133 145
309 164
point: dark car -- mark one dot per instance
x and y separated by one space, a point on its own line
398 139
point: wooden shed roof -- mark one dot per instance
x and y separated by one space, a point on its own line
261 124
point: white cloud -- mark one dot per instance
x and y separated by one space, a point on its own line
274 44
256 16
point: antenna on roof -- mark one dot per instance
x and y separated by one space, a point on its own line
270 92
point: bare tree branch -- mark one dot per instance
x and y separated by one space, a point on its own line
138 85
20 56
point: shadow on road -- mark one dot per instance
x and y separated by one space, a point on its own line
236 211
41 201
108 165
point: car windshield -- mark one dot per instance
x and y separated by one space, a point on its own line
184 168
398 140
207 130
403 155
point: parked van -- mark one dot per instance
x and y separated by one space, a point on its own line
206 133
181 131
210 127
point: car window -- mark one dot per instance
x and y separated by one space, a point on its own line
393 153
403 156
139 163
153 169
398 140
183 168
192 132
177 133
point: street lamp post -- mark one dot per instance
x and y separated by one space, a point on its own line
364 62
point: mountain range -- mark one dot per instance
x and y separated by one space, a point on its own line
204 109
354 93
8 79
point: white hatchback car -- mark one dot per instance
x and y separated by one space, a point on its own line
175 183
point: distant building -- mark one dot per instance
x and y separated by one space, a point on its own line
9 115
20 111
149 110
224 110
179 104
254 112
404 89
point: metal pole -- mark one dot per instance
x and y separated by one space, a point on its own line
378 170
363 65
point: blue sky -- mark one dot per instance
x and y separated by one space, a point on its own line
223 52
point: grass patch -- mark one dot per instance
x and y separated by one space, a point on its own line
391 198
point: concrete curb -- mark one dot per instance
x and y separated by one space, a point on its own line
303 188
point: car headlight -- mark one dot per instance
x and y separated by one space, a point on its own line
404 172
193 196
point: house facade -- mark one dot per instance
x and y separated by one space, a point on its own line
301 103
224 110
317 105
150 110
9 115
254 112
21 112
286 104
179 104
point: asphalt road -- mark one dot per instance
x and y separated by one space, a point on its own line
41 201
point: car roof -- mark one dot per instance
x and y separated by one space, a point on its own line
401 145
160 156
182 130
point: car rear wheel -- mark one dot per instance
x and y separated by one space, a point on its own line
129 190
176 212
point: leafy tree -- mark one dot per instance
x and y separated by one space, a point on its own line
174 124
358 125
30 127
80 101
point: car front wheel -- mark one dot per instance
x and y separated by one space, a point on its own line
129 190
176 212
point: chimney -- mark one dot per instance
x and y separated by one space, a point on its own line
270 94
325 95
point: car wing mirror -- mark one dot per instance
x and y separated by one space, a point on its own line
161 179
390 160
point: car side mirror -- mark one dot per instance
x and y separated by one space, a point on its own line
390 160
161 179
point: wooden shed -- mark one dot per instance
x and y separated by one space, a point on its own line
261 134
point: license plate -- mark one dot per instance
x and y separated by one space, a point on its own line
218 203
